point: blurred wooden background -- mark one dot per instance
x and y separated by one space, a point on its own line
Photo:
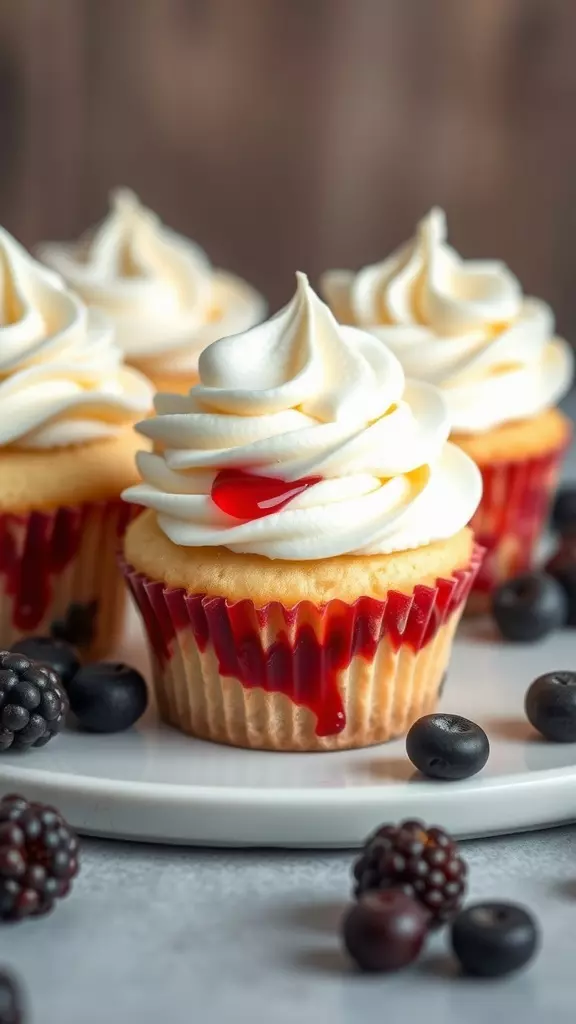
286 134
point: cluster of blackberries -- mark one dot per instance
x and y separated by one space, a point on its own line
411 879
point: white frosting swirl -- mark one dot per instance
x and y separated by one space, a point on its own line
62 380
461 325
301 396
166 300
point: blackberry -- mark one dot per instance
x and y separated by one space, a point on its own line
38 858
33 703
11 1007
422 862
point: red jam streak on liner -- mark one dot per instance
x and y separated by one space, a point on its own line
298 663
513 511
249 496
36 548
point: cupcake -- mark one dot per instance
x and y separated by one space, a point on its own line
166 300
304 558
467 328
67 449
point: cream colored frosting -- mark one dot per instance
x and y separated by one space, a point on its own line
166 300
301 396
62 380
464 326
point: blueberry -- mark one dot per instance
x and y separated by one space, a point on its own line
529 607
385 930
550 705
447 746
12 1009
107 696
56 654
78 626
493 939
564 511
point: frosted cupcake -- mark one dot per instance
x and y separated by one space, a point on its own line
466 327
66 452
304 559
164 297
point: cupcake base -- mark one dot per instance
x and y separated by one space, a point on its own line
61 520
520 465
377 700
59 574
305 677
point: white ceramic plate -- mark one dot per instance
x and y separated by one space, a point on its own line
155 784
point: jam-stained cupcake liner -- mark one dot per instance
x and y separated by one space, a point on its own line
59 573
307 678
511 518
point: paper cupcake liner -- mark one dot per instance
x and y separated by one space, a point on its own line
59 572
305 678
511 518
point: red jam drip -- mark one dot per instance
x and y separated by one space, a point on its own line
249 496
303 662
511 517
36 549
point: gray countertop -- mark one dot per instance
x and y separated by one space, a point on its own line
166 934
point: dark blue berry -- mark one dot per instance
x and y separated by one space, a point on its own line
11 1002
550 705
78 626
564 511
447 746
493 939
529 607
385 931
47 650
107 696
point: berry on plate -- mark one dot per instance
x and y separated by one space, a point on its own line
47 650
33 703
107 696
424 863
385 931
550 705
447 746
38 858
529 607
494 939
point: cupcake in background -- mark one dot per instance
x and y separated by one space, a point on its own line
166 300
67 446
304 559
466 327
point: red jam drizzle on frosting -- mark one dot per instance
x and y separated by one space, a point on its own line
250 496
305 662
